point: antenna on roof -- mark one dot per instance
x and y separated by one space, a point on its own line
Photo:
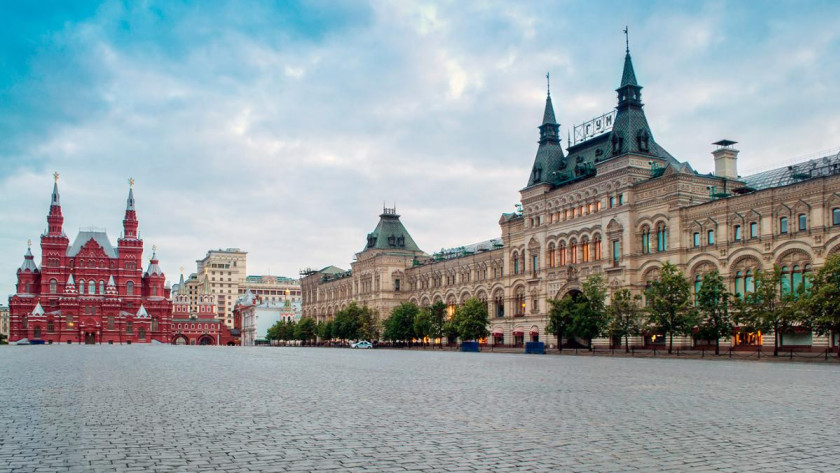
548 82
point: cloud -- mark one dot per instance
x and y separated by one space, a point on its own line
281 128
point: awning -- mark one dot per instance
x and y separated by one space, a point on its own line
519 332
535 331
498 333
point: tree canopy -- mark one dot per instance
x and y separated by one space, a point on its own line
471 320
669 303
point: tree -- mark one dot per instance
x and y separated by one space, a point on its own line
438 315
325 330
423 324
822 300
589 314
273 332
669 299
560 317
624 316
400 324
713 309
471 320
770 308
368 324
305 329
347 323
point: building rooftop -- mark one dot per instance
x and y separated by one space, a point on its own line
821 167
99 236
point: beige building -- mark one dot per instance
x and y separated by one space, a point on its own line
612 202
4 321
223 274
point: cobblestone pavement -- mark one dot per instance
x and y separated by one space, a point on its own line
165 408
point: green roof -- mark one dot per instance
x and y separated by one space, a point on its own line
390 234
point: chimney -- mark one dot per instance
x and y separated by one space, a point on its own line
726 159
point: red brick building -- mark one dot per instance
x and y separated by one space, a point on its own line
201 327
90 292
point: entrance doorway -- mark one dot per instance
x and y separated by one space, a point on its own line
90 338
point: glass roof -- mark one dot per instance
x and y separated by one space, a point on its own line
820 167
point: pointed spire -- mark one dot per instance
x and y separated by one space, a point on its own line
28 260
70 287
38 310
141 312
111 287
56 198
130 201
628 76
548 114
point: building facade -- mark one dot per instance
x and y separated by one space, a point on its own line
613 202
90 291
259 313
200 324
4 321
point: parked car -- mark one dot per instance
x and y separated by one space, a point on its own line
362 344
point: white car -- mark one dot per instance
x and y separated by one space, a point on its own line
361 344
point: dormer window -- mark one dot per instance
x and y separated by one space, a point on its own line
643 139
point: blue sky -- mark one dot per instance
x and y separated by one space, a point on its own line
281 127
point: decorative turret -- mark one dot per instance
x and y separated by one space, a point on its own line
390 234
154 268
111 288
631 132
726 159
70 287
550 152
130 223
28 261
54 219
28 273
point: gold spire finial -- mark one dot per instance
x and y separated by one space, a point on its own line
29 243
182 270
130 182
55 176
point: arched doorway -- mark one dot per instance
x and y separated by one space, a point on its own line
180 340
206 340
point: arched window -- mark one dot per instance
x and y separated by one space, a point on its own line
50 326
749 282
573 252
500 304
102 287
92 287
535 262
129 288
515 263
596 248
561 253
835 216
53 286
661 238
520 302
584 244
739 285
698 282
81 286
25 322
552 261
645 239
710 237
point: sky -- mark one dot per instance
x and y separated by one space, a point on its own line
282 128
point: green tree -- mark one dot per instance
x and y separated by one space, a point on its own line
713 301
768 308
471 320
399 326
305 329
325 330
368 324
347 323
624 316
561 315
439 323
287 331
589 314
669 303
275 330
423 324
821 303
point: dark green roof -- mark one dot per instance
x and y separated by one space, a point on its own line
628 77
550 152
390 234
332 270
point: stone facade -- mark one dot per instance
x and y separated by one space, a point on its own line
619 205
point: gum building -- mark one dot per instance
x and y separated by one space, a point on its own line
613 202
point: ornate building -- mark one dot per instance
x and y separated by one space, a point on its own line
195 319
615 203
90 292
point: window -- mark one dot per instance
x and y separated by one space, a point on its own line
661 238
141 333
110 322
552 258
92 287
645 240
129 288
535 263
102 287
53 286
585 247
803 222
50 326
710 237
561 252
739 285
573 253
596 248
396 285
696 239
612 202
620 199
129 327
783 225
616 254
749 282
835 216
81 286
737 233
754 230
698 282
